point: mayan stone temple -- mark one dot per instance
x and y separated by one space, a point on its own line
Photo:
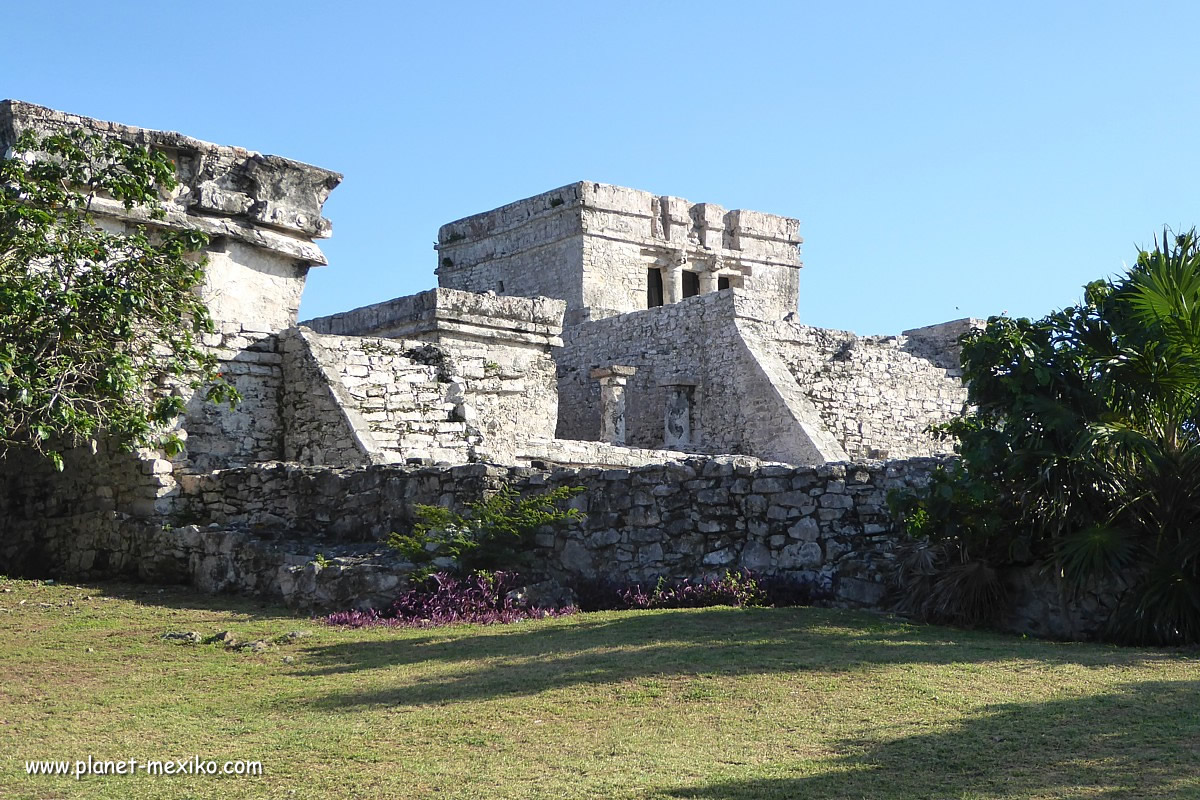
642 346
655 327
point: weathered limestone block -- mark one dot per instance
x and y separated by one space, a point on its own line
875 395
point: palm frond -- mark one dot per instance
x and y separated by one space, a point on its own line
1095 552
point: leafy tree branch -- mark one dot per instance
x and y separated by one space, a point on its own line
99 328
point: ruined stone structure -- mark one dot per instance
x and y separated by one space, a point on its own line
643 347
609 250
681 317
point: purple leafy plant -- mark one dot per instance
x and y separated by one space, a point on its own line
734 589
482 598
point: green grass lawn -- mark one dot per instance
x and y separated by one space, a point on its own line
714 703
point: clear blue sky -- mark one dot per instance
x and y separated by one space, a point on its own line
945 159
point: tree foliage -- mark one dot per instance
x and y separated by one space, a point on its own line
1082 453
97 326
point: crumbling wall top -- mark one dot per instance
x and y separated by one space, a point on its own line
263 200
942 343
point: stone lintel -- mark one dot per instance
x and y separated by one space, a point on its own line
678 380
613 371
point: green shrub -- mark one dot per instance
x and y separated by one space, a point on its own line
1081 454
494 533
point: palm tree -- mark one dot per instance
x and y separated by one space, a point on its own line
1082 451
1144 449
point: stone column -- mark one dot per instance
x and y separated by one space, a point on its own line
672 284
708 281
677 425
612 401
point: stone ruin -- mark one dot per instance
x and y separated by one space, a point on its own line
644 347
674 331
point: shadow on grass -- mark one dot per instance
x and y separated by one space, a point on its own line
1140 741
185 598
529 658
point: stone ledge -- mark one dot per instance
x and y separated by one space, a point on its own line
529 320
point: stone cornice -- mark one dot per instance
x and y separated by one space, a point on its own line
263 200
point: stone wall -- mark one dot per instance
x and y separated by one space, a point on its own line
759 386
824 525
44 513
252 431
253 287
260 529
498 361
1041 606
693 346
361 400
876 395
592 245
827 525
506 392
652 342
